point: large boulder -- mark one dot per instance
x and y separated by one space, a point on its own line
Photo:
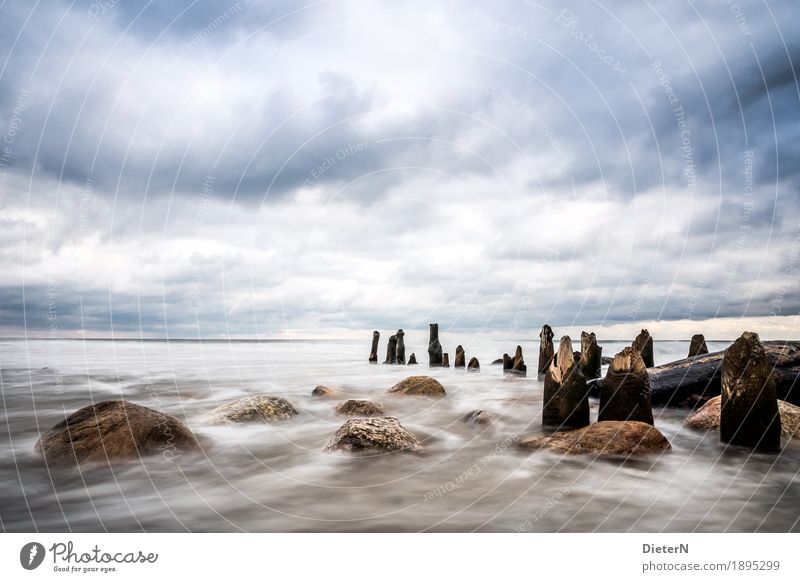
461 358
360 408
401 347
697 346
391 350
603 438
591 356
254 408
707 417
643 343
434 347
749 408
418 386
115 430
373 352
546 349
699 377
372 435
625 391
566 397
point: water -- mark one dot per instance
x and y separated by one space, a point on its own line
275 478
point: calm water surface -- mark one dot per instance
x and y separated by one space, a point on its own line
274 477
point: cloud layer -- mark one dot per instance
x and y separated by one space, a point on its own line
266 169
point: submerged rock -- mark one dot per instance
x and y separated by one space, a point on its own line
360 408
434 347
749 406
591 356
566 397
625 391
445 360
707 417
474 365
461 358
499 361
115 430
372 435
391 350
418 386
644 345
254 408
604 438
373 352
546 349
697 346
479 417
401 347
412 359
326 392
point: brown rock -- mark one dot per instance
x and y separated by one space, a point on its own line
697 346
479 417
391 350
372 435
474 365
603 438
360 408
749 410
326 392
254 408
625 391
418 386
707 417
115 430
566 397
518 364
445 360
412 359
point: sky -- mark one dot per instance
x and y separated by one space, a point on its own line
290 170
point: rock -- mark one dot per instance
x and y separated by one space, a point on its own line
518 363
254 408
566 397
372 435
115 430
609 437
391 350
606 360
360 408
325 392
749 410
434 347
508 363
479 417
498 361
697 346
474 365
418 386
625 391
401 347
373 352
412 359
445 360
461 358
644 345
707 417
679 382
591 356
546 349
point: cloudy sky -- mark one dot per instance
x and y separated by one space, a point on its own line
281 169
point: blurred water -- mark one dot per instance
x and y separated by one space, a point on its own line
274 477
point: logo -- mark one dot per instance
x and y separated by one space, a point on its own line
31 555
